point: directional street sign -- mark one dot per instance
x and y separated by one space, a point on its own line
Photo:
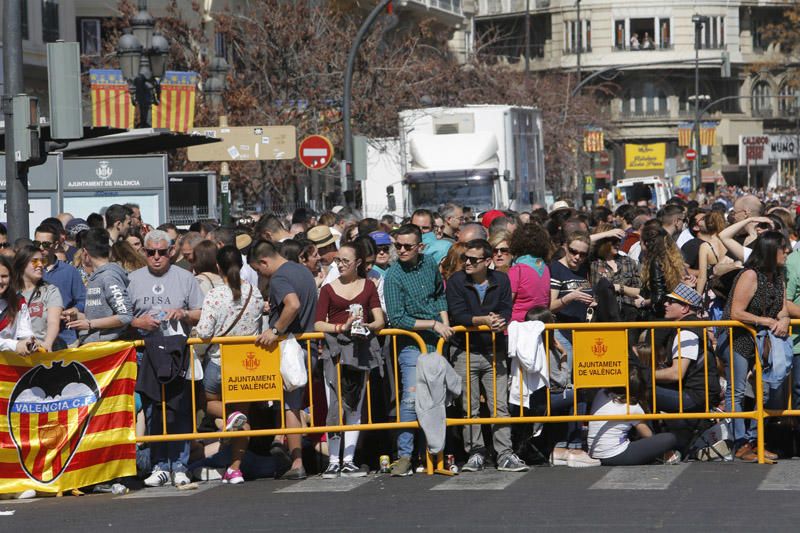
691 154
316 152
246 143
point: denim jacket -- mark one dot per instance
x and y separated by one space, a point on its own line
778 364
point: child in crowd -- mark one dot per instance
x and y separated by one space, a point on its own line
609 441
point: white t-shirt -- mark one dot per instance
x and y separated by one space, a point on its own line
635 251
684 237
609 439
689 344
18 330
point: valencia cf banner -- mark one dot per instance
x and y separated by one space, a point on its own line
67 418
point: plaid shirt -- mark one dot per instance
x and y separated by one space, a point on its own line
414 293
627 274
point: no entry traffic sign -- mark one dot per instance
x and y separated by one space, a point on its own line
691 154
316 152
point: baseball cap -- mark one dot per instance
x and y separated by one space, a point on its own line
381 238
75 226
489 216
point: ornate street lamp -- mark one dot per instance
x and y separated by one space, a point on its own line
142 54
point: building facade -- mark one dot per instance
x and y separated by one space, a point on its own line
652 102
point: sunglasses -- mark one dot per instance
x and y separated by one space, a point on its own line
383 249
43 245
160 253
5 245
424 229
577 253
470 260
407 247
37 262
674 301
503 251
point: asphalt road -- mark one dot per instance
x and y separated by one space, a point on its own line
690 497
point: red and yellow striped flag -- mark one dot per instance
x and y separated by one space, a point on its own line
685 134
708 133
593 140
67 418
111 102
176 110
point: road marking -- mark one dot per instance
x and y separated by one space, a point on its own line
485 480
783 476
169 491
651 477
317 484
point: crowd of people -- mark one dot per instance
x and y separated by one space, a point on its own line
112 276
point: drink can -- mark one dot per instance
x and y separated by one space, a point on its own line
449 460
385 462
119 489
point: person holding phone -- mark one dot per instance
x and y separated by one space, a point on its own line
349 313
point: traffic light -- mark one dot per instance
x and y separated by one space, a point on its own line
26 127
64 84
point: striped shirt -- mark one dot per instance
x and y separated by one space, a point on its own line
414 292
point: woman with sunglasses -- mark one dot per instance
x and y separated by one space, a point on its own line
620 270
758 299
43 299
572 301
16 334
529 272
501 252
348 312
384 253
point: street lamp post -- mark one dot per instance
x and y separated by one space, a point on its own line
699 21
142 54
213 87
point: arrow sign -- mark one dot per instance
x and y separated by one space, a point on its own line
316 152
691 154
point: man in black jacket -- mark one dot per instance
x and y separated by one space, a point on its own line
478 296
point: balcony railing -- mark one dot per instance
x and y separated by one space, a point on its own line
574 49
450 6
643 114
654 48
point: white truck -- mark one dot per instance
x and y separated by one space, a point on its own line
483 156
655 189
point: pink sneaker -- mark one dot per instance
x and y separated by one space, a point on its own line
233 477
236 421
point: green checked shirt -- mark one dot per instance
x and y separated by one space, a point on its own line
414 293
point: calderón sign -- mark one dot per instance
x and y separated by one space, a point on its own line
645 156
762 149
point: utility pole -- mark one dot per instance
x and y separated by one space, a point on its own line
527 38
699 21
17 209
580 40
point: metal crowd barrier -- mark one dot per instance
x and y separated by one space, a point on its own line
307 339
603 332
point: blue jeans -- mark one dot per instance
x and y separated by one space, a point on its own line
564 336
170 456
668 400
407 361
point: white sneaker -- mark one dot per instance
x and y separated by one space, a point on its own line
581 459
180 479
158 478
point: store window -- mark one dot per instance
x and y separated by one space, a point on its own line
762 99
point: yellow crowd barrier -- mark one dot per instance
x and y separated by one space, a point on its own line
307 339
604 332
613 337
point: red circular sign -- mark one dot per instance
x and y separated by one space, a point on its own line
315 152
691 154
